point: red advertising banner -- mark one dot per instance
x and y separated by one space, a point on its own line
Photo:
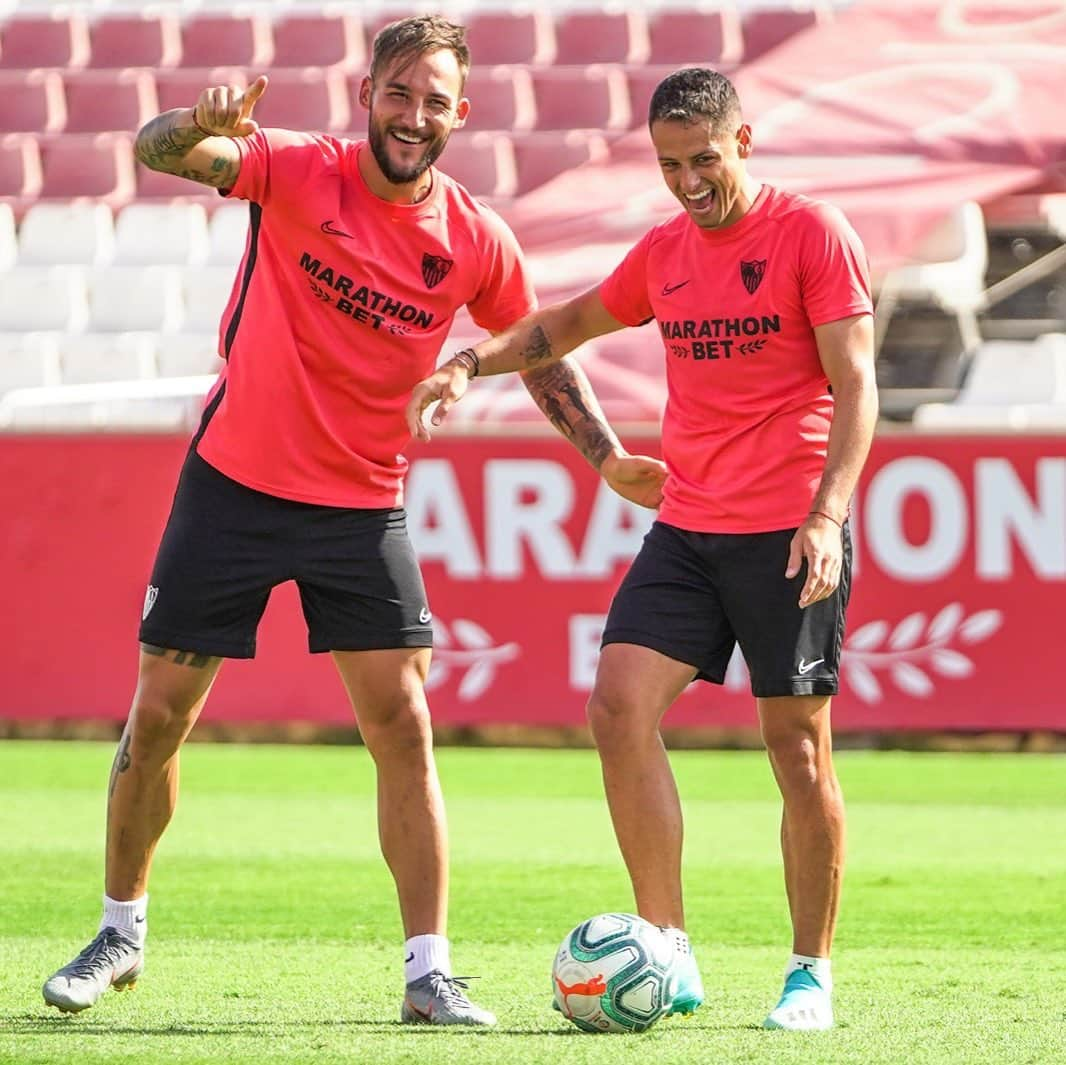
956 619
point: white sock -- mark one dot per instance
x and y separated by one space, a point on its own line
680 940
423 954
819 968
129 917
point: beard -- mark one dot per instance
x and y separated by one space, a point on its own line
403 175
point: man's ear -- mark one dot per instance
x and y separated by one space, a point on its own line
365 87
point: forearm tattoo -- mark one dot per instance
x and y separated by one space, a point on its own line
179 658
538 348
163 145
563 393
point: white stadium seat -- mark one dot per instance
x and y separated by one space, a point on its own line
228 234
77 232
161 234
187 354
28 360
8 241
207 290
43 297
124 298
89 357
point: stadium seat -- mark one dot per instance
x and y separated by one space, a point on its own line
312 99
483 163
228 234
697 36
43 298
541 156
28 41
27 360
501 98
606 36
766 29
100 165
207 290
123 298
98 101
87 358
1011 385
581 98
20 170
79 233
186 354
151 39
510 37
8 240
182 87
31 102
161 234
319 40
212 40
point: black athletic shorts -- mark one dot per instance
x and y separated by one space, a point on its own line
694 596
226 546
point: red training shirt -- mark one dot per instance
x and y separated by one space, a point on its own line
340 307
748 403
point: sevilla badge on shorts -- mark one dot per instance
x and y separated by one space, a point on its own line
751 273
434 269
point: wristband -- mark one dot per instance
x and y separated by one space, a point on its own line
468 357
205 132
822 513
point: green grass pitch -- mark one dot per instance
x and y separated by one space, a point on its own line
275 937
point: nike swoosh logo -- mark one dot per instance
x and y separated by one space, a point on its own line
410 958
806 667
138 920
328 227
669 290
424 616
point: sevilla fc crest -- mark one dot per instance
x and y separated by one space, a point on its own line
434 269
750 273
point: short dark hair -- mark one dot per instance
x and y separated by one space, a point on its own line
409 38
693 93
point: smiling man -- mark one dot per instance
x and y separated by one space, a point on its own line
359 254
762 298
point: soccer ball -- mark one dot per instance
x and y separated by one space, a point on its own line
613 973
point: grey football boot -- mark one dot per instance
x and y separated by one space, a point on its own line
112 959
439 999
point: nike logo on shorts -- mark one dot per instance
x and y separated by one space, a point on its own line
424 616
805 667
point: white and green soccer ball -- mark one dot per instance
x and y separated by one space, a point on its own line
614 973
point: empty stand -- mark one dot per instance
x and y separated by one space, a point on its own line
81 232
151 39
8 240
92 357
765 30
212 40
583 37
31 102
99 165
483 163
123 298
43 298
27 360
541 156
510 37
61 40
318 40
182 87
501 98
311 99
157 234
702 37
98 101
20 169
207 290
593 97
228 234
187 354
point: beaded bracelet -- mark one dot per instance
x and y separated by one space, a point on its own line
468 357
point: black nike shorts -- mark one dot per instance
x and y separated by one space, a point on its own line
695 596
226 546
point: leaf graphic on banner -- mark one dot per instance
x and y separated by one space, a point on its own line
980 626
945 623
950 663
907 633
868 637
862 681
470 634
478 678
911 679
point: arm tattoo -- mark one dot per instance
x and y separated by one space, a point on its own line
539 347
163 145
563 393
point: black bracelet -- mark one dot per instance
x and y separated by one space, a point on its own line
474 366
